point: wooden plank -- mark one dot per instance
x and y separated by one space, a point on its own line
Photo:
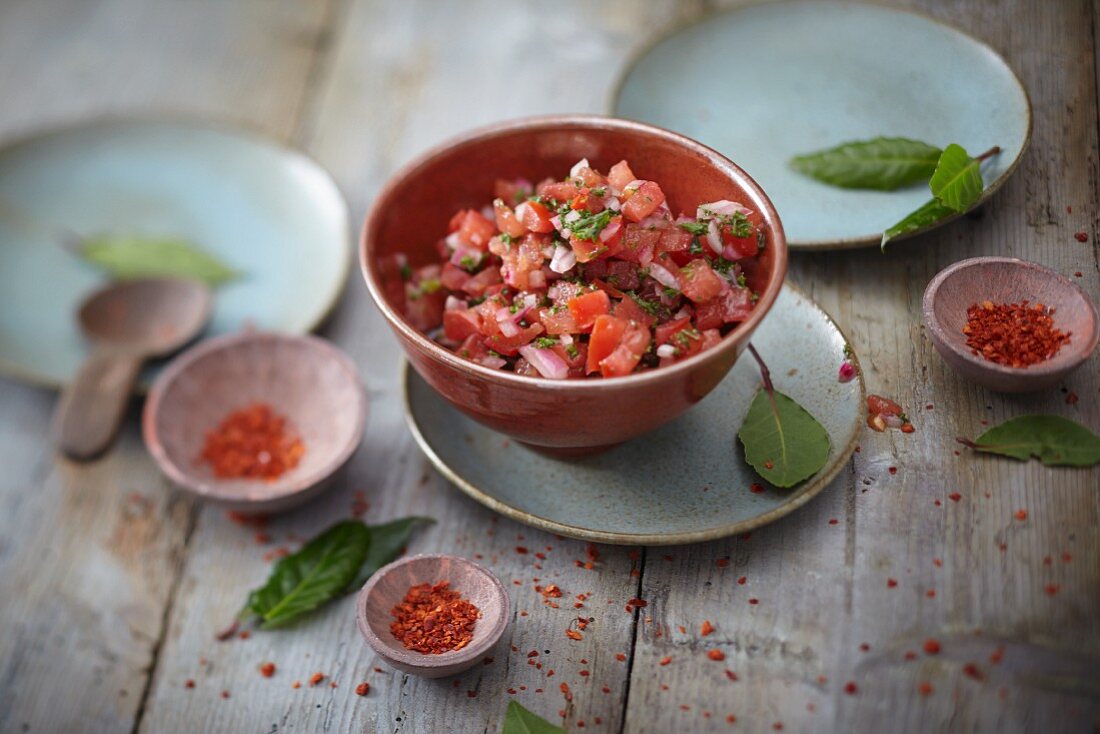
823 589
91 554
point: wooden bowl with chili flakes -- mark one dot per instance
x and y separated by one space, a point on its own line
257 422
968 305
393 601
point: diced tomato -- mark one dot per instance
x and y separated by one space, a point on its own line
711 337
474 229
585 308
608 288
477 285
586 250
620 175
558 320
509 345
512 192
677 243
424 310
629 309
738 247
460 323
699 282
607 332
628 353
639 243
665 331
878 405
643 202
521 260
507 222
575 360
453 277
731 306
589 177
562 191
622 275
535 217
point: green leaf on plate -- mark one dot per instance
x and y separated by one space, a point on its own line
782 440
316 574
882 164
957 181
132 256
519 720
927 215
1054 440
386 543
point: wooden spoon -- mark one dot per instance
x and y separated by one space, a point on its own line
128 322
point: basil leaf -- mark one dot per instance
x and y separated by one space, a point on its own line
883 164
519 720
131 256
957 181
316 574
1054 440
386 543
927 215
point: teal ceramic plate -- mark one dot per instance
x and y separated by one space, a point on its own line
683 483
764 82
266 210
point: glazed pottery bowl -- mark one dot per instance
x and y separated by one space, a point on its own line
303 378
1008 280
389 585
561 416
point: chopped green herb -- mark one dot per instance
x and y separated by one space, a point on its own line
742 281
648 306
696 247
671 292
506 238
696 228
589 225
430 286
572 351
469 262
406 272
599 191
545 342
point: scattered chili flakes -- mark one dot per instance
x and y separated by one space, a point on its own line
1072 399
296 684
665 660
716 655
851 688
521 550
267 670
925 688
833 521
1081 236
756 488
731 675
252 443
931 647
973 671
706 628
636 603
910 655
997 655
433 618
891 583
620 656
566 692
1066 558
864 647
316 678
189 683
892 470
937 562
362 689
1021 515
954 496
722 562
731 719
1052 589
741 581
883 413
1013 334
225 694
754 600
931 593
573 634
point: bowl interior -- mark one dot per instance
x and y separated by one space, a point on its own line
474 583
412 214
1013 281
301 378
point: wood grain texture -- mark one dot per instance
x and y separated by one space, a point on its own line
363 85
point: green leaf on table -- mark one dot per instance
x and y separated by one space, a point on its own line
386 543
957 181
927 215
1054 440
132 256
882 164
316 574
519 720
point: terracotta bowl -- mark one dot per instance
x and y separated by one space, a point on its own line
1007 280
562 416
303 378
388 586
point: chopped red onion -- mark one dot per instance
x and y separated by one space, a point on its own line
546 361
575 171
666 351
714 237
564 259
661 274
453 304
847 372
611 229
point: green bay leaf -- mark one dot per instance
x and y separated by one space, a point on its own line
307 579
133 256
1054 440
883 164
782 440
518 720
386 543
927 215
957 181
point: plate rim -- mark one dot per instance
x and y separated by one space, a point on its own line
843 243
804 494
241 129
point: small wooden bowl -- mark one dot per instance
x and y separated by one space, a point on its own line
304 378
1008 280
388 586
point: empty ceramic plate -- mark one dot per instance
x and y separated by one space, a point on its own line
765 82
264 210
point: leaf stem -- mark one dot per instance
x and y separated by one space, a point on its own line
967 442
764 373
995 150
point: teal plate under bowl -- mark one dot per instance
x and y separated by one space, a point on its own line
265 210
683 483
765 82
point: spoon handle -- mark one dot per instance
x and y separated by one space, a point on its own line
91 406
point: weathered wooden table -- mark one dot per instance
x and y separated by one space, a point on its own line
112 585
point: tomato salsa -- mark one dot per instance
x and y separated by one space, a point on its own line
589 275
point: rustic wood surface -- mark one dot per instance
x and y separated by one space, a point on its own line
113 585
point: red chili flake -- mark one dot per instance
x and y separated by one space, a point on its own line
682 629
362 689
891 583
706 628
566 692
851 688
778 726
636 603
225 694
434 619
471 694
954 496
754 601
833 521
769 465
741 581
997 655
1081 236
937 503
316 678
267 670
252 443
574 635
605 689
549 673
731 675
1066 558
1021 515
262 538
931 593
1051 589
584 673
925 688
332 684
893 470
730 719
189 683
1079 274
931 647
722 562
716 655
1047 561
685 707
1071 399
910 655
937 562
1016 334
665 660
620 656
973 671
756 488
908 428
521 550
296 684
864 647
822 679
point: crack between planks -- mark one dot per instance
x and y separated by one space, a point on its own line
633 643
169 606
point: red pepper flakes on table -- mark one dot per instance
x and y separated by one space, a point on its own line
252 443
665 660
954 496
731 675
716 655
434 619
851 688
931 593
565 692
267 670
973 671
573 634
362 689
1071 399
741 581
1081 236
316 678
891 583
636 603
931 647
1013 334
754 601
925 688
706 628
864 647
997 655
225 694
1021 515
296 684
189 683
620 656
722 562
1052 589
